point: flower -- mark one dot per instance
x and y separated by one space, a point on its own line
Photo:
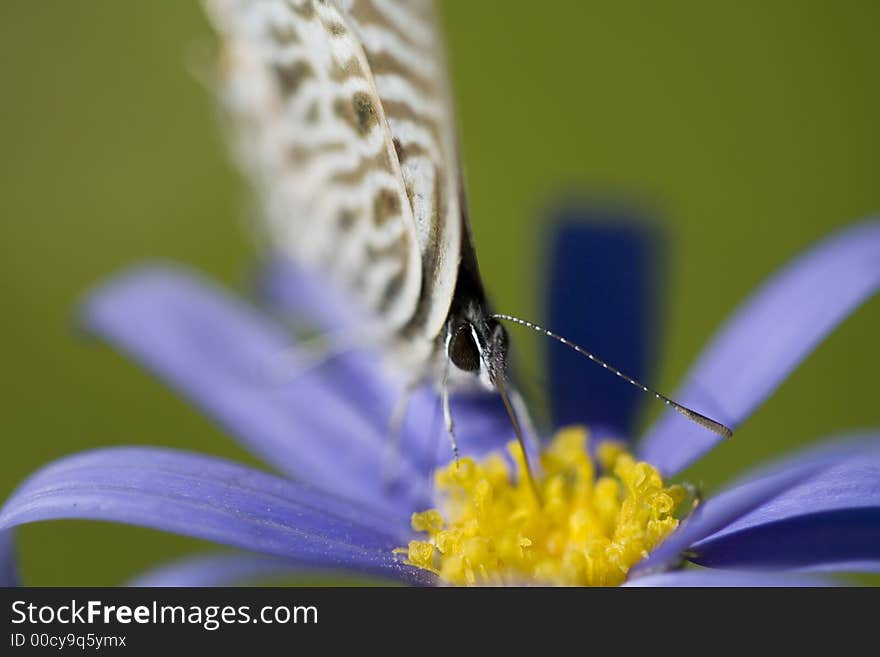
324 431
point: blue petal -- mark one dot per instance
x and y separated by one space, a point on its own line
214 500
604 295
216 570
753 492
328 425
729 578
766 339
832 517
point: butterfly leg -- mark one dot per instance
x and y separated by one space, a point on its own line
391 467
447 412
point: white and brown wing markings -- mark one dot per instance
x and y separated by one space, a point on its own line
404 50
314 138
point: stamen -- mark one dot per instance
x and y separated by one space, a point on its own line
586 529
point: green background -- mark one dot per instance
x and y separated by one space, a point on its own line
747 129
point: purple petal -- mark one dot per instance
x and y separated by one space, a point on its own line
9 575
855 567
752 492
603 294
301 296
728 578
481 422
327 425
831 517
216 570
209 570
766 339
481 426
214 500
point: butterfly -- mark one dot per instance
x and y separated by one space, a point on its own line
343 122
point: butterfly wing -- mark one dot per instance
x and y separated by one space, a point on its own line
310 132
403 44
342 123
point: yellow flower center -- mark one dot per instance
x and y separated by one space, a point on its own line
585 530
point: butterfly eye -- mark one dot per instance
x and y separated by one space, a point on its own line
464 351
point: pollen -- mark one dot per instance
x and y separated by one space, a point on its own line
587 525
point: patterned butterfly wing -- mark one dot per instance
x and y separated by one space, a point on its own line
404 47
342 122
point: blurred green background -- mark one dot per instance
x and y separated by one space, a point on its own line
747 129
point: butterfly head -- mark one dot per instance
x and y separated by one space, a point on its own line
478 345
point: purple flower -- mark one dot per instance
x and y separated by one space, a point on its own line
324 433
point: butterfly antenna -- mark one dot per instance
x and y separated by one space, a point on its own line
690 414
